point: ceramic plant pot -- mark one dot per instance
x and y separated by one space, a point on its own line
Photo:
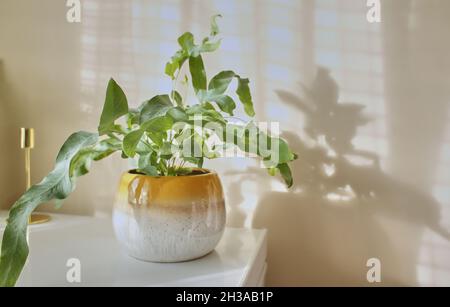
169 219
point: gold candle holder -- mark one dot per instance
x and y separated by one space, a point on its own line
27 143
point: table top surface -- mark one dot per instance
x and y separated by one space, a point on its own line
103 263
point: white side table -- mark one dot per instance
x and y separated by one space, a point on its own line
238 260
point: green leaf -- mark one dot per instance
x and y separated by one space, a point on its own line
167 149
243 91
219 85
220 82
57 185
148 158
190 50
131 141
178 114
155 107
105 148
144 160
285 153
178 99
214 27
81 163
145 164
133 117
206 113
198 74
175 63
208 46
150 170
156 137
115 106
226 104
186 42
158 125
195 109
286 174
274 150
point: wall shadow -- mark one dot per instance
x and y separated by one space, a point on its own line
12 170
339 213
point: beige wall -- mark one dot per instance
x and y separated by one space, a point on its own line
394 153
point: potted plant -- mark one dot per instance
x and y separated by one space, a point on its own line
169 208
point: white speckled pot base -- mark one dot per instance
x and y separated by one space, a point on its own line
159 235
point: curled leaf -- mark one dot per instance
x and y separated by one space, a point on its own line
56 185
214 27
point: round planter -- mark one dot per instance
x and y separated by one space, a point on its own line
169 219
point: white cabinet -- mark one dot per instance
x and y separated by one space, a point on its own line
238 260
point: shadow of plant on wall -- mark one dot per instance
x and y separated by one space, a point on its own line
340 213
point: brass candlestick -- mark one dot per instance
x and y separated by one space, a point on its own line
27 143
